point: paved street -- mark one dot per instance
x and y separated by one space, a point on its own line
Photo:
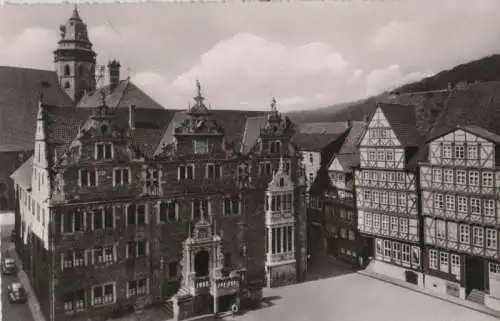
353 297
10 312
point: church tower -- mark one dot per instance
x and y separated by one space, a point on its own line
74 59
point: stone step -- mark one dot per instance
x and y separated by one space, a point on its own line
476 296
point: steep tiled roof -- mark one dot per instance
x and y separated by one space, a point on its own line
63 126
476 105
403 119
233 121
322 128
252 132
355 134
125 94
314 142
22 175
20 91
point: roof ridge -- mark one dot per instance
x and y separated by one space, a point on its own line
127 82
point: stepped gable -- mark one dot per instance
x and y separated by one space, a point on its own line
20 91
125 94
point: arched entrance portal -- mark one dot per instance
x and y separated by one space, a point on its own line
201 263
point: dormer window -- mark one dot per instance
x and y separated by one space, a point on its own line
200 147
103 151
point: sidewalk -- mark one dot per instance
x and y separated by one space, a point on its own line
464 303
33 304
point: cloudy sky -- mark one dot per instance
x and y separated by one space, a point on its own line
307 54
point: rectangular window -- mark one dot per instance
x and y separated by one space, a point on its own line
103 255
266 169
462 204
438 201
376 221
403 225
450 202
367 196
121 176
443 262
455 264
489 207
464 234
231 205
137 287
371 155
385 223
448 176
487 179
351 236
136 214
461 177
387 248
394 224
185 172
72 221
200 146
491 239
478 236
137 249
368 220
475 205
103 294
472 152
71 259
213 171
379 247
200 209
474 178
406 253
446 151
459 152
436 175
389 155
87 177
433 259
380 156
103 218
103 151
168 211
393 198
402 199
74 301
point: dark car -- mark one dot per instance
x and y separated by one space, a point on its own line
16 293
9 266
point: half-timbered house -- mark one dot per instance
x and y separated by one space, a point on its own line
128 208
460 197
386 191
317 143
343 238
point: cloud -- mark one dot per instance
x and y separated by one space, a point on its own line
31 48
380 80
249 68
395 36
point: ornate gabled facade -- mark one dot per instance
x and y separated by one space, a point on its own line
386 192
135 214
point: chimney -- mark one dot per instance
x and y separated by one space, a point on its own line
131 116
349 123
114 74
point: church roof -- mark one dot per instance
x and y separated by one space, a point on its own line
124 95
20 92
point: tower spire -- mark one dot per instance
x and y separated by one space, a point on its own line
75 15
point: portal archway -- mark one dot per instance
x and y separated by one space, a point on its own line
201 263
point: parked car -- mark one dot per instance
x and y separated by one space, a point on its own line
16 293
9 266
